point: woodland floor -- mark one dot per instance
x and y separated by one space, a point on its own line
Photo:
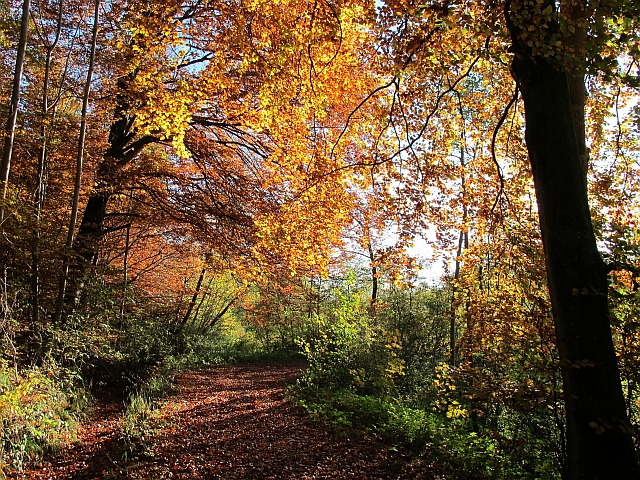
231 422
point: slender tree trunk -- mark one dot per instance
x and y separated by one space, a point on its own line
79 162
211 323
599 446
10 127
374 275
39 191
452 319
194 299
125 273
463 243
203 297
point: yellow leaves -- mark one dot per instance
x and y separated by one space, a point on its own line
164 114
444 386
357 377
455 411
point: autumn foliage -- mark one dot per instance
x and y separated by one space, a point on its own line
264 168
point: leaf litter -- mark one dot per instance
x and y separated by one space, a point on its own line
230 422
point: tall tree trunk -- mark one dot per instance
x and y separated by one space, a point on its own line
463 243
125 273
575 46
39 190
122 149
207 324
598 444
10 127
79 162
203 297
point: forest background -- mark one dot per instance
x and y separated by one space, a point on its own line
189 182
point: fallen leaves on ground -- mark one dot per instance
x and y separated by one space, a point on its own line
232 422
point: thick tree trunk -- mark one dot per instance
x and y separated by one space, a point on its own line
574 46
598 443
91 228
122 149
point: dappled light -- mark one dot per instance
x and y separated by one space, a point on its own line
188 187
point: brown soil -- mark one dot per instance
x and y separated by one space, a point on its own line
231 422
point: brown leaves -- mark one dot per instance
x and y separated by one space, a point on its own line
234 422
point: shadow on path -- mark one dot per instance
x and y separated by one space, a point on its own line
233 422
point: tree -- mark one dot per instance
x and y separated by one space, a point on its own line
79 165
598 441
261 131
10 126
49 45
549 55
225 133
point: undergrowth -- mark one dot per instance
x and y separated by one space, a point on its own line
139 421
449 443
40 409
367 374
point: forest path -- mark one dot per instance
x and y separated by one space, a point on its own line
232 422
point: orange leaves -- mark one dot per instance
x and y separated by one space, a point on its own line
303 232
271 102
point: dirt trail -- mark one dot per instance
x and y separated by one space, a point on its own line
231 422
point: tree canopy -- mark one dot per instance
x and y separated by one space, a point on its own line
268 142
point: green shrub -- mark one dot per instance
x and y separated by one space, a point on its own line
350 351
38 414
388 374
448 442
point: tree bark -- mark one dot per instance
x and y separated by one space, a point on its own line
374 274
599 446
575 48
463 243
10 128
122 149
194 298
40 186
79 161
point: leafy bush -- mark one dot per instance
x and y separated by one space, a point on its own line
448 442
38 413
388 374
351 351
